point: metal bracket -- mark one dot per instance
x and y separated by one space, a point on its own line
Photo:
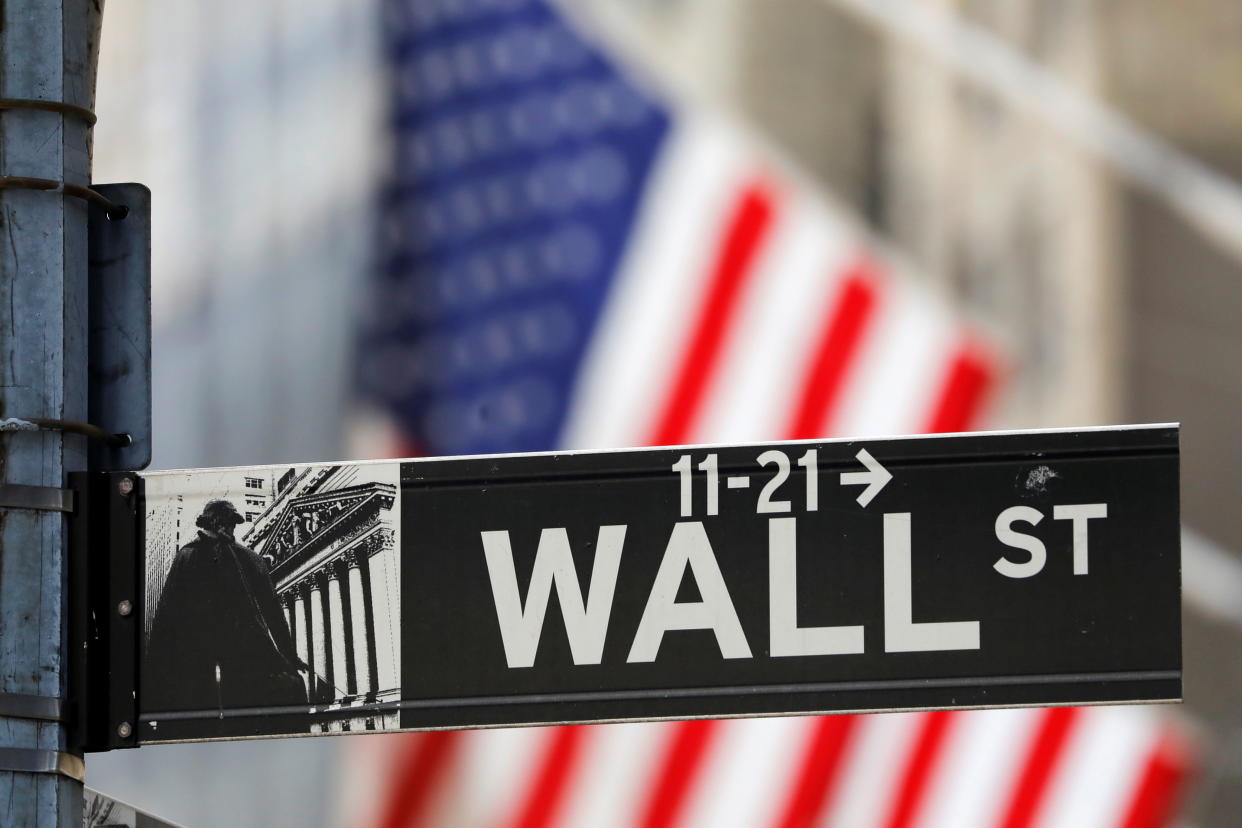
105 608
119 360
33 760
26 706
41 498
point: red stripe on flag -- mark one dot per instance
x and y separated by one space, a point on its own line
1032 785
547 793
816 782
970 375
847 317
1160 786
747 227
677 773
424 760
912 788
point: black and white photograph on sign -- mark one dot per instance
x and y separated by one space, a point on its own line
273 589
101 811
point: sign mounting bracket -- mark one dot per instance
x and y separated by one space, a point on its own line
105 538
119 323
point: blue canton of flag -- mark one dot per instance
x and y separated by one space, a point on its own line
520 156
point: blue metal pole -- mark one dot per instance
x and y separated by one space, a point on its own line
48 51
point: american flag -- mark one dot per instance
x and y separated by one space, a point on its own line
571 260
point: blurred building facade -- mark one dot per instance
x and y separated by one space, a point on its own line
1177 69
255 126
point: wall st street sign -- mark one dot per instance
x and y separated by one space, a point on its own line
1022 568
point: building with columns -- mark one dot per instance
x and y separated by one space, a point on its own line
330 539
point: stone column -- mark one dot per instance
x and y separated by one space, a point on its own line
286 603
324 585
301 622
360 609
301 628
385 606
318 630
346 622
336 616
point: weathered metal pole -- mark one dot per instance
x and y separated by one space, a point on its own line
48 52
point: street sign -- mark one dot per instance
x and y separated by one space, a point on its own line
1021 568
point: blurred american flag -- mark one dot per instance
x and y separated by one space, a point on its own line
569 260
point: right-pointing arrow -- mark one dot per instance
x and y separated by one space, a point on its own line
875 478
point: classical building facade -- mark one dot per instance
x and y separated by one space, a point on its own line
330 538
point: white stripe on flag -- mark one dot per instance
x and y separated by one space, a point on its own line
767 351
903 361
1098 776
650 312
504 764
614 774
879 752
748 764
975 777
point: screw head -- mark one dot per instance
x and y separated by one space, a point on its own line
124 730
125 485
124 608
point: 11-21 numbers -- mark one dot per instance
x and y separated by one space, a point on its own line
768 502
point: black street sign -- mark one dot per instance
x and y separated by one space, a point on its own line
1024 568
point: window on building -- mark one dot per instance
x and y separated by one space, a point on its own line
254 482
250 516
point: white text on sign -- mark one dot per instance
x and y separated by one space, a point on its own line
1078 514
689 549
